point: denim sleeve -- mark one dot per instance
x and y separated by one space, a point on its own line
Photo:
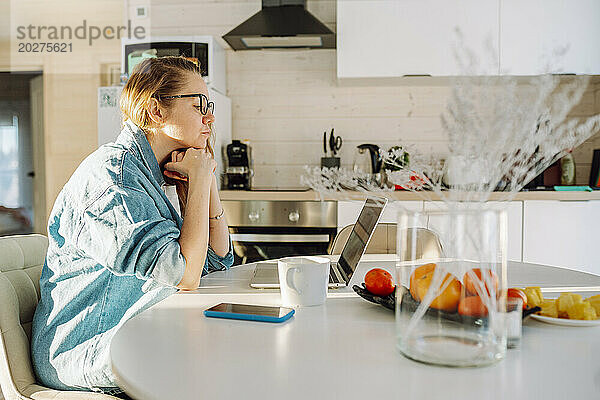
215 262
125 232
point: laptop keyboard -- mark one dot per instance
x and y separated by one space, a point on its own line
332 275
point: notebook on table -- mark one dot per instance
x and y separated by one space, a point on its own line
266 275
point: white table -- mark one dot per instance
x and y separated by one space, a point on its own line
342 350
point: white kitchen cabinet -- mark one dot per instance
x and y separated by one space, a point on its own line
348 211
392 38
531 31
562 233
514 215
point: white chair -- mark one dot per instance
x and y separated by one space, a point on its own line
21 261
384 240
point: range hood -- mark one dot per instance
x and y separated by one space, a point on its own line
281 24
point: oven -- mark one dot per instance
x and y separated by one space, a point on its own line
263 230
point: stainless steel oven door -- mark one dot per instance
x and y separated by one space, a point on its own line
269 243
263 230
281 238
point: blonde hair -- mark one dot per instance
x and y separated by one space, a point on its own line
155 78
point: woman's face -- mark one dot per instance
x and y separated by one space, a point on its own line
184 123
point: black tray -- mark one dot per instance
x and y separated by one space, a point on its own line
411 305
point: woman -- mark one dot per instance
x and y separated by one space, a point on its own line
117 245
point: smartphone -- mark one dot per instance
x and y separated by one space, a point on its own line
249 312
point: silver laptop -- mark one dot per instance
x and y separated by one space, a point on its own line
267 277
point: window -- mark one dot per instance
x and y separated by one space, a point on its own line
9 165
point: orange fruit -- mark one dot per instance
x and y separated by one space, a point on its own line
417 275
472 306
471 284
447 300
379 282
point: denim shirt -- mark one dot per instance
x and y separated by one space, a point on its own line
113 252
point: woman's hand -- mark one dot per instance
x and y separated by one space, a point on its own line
172 177
179 181
191 164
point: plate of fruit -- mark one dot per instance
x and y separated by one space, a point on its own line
569 309
457 302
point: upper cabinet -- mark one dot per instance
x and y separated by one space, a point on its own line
395 38
533 33
391 38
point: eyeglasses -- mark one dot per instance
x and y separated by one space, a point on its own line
204 106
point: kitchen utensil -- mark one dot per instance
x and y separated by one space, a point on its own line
552 174
330 162
567 170
325 143
594 180
367 160
335 143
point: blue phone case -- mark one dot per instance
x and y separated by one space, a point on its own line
248 317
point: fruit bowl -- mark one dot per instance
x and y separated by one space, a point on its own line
388 301
411 305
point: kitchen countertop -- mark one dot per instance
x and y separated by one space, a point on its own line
398 195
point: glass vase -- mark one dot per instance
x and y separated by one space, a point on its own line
451 300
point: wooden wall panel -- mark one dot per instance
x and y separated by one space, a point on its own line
282 100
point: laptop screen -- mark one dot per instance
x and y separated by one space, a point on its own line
361 234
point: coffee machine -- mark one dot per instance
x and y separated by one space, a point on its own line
239 166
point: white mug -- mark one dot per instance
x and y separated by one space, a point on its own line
303 280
